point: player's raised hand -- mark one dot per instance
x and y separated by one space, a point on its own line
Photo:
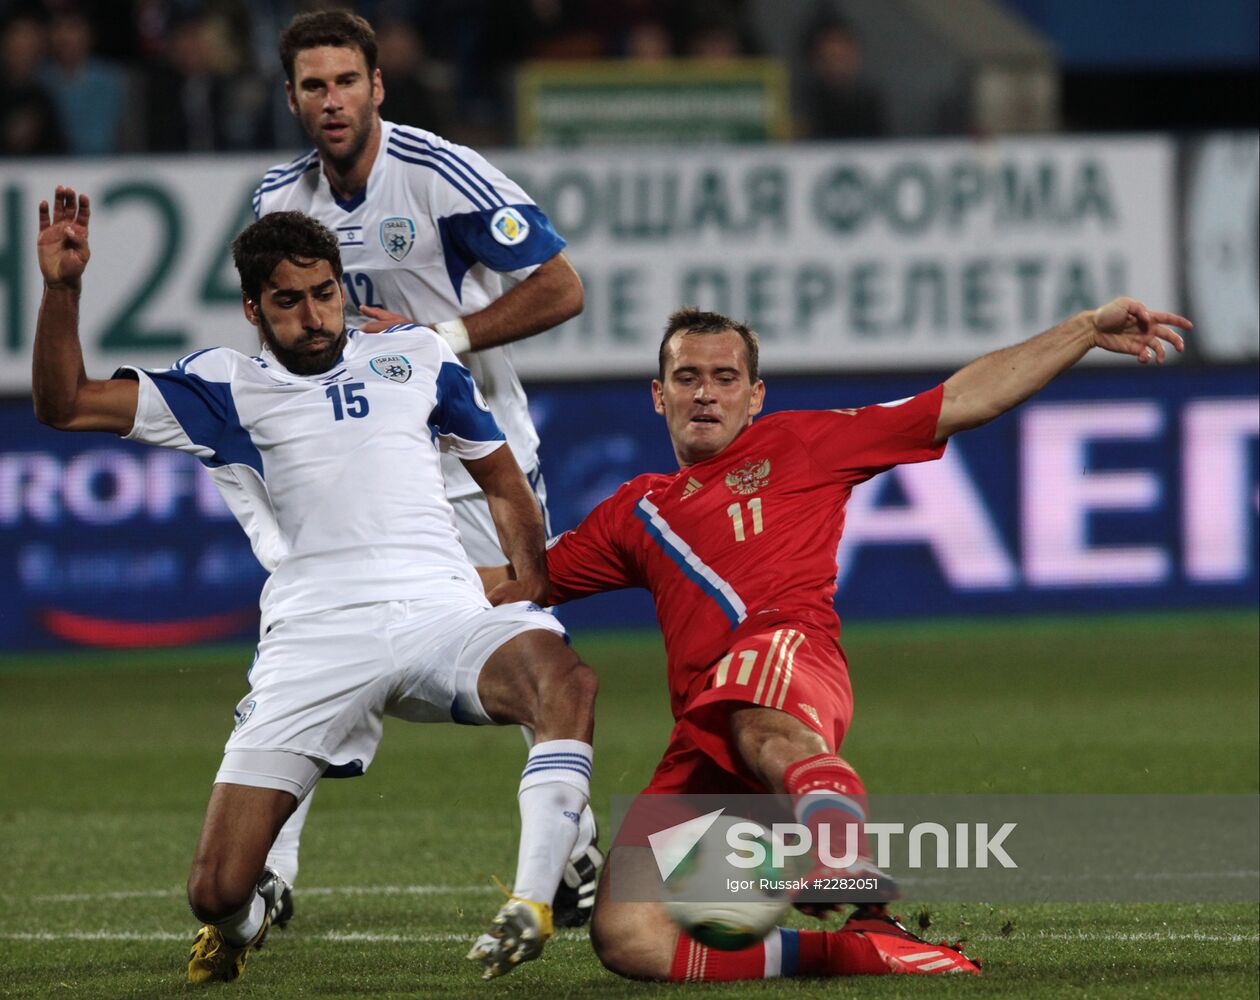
1126 326
381 319
63 238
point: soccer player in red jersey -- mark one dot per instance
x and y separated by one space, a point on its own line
738 549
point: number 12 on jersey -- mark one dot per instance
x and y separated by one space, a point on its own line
736 513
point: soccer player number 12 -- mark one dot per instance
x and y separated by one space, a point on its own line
736 512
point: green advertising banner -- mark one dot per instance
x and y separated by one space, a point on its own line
673 102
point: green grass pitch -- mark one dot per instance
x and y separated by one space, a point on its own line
107 759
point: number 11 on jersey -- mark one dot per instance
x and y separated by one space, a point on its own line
736 514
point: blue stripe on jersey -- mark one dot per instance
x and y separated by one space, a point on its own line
418 144
183 363
438 169
284 168
790 952
296 166
692 565
276 185
207 413
459 410
398 328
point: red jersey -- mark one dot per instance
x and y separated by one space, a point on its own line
744 541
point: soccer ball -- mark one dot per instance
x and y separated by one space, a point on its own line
722 906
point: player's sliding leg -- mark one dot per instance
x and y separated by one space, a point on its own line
787 756
229 888
536 680
638 941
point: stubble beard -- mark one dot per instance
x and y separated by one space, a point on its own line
302 362
344 161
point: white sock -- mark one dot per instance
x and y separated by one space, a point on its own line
587 830
555 788
283 856
246 922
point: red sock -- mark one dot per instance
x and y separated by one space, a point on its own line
784 953
837 798
694 963
837 953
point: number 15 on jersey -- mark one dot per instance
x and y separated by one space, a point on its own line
346 401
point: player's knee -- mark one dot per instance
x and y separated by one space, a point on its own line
213 896
630 944
582 684
568 685
768 741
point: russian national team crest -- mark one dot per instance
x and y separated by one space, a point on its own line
398 236
509 227
394 367
749 477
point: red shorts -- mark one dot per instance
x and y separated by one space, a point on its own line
801 673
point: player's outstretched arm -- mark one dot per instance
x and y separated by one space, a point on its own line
519 521
549 296
64 396
1000 381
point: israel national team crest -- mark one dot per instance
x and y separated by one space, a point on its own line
243 713
394 367
398 236
749 477
509 227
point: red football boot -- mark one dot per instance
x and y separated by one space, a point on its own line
905 953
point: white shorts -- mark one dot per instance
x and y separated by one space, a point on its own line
322 684
476 527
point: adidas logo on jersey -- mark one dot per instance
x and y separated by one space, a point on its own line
693 484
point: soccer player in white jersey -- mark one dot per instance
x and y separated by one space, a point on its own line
370 609
431 233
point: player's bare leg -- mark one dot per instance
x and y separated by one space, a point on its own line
536 680
770 741
632 939
224 889
788 756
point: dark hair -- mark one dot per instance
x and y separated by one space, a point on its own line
338 28
280 236
689 319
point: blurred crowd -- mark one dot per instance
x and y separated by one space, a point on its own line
127 76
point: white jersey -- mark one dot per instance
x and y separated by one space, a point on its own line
337 477
438 233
